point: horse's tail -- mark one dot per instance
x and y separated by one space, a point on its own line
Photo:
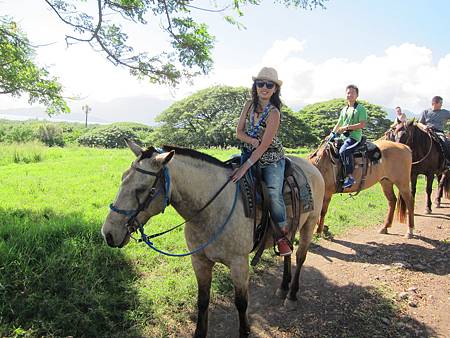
446 185
401 209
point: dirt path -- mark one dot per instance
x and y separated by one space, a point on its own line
361 284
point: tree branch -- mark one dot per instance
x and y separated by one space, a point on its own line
209 10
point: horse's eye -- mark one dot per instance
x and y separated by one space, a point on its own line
140 190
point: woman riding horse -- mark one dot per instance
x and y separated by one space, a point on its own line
217 229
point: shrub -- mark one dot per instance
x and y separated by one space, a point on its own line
51 135
108 137
142 131
20 134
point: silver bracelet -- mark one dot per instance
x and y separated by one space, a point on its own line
250 162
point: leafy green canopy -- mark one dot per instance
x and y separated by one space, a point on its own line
209 118
322 117
191 43
205 119
19 74
99 23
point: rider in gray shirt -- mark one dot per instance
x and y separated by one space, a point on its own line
435 119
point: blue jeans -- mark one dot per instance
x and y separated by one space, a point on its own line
273 176
346 152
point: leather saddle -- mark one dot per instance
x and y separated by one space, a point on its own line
444 144
368 152
297 195
364 149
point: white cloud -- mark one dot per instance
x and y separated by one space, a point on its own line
403 75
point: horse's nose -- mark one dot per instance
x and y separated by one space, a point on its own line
109 240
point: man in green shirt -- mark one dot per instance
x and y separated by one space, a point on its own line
352 120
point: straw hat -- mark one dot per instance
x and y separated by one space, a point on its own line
268 73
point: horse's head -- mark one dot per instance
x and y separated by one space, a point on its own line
390 135
411 129
142 194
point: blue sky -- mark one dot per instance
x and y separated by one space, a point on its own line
398 53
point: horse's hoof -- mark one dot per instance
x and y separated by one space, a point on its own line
437 205
428 211
410 233
290 305
280 293
245 333
383 231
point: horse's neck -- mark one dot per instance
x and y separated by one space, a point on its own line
328 170
419 142
193 183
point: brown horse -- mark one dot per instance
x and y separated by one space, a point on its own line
428 160
194 178
393 169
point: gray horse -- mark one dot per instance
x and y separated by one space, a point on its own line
194 179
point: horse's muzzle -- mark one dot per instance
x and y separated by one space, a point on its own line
109 240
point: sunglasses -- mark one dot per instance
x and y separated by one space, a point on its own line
268 84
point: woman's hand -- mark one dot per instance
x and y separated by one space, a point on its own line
239 172
255 143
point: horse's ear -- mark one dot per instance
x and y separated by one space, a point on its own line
134 147
163 158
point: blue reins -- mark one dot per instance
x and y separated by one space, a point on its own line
213 238
133 224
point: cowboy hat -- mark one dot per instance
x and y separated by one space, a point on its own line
268 73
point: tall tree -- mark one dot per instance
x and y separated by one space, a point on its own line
210 116
294 131
19 74
191 43
204 119
322 117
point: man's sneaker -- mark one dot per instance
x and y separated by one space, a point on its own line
283 247
348 182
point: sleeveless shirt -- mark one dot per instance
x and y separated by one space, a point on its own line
275 151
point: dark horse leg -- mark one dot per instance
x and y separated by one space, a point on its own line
413 185
203 272
323 213
306 235
388 190
429 189
287 275
440 191
239 275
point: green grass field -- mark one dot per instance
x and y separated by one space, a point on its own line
57 276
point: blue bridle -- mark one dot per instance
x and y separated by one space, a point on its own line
133 224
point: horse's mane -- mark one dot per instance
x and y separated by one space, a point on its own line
317 150
196 155
410 123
